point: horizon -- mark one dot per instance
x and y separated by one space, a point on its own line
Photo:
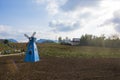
54 18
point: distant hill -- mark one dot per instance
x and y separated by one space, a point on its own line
12 40
45 41
1 40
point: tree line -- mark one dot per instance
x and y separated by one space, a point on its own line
101 41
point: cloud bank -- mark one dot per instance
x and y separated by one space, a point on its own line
66 18
68 15
73 4
115 21
64 26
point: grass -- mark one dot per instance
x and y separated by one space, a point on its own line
77 51
58 50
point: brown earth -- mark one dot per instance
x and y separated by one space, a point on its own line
56 68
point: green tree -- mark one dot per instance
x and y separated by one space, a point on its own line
5 41
86 39
59 39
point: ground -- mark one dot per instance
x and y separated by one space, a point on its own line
58 68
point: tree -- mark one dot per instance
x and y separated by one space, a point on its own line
60 39
86 39
5 41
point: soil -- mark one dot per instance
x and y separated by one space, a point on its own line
57 68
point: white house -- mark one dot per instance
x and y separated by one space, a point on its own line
75 41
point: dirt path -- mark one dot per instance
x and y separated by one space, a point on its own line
12 54
53 68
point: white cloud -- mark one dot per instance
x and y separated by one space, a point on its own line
114 21
5 28
52 6
7 32
86 13
64 26
72 18
10 32
73 4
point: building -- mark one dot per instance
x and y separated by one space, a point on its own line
75 41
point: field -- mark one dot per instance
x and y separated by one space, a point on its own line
62 62
78 51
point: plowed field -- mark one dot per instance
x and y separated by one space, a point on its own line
57 68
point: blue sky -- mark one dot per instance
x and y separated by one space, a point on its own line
21 12
23 16
54 18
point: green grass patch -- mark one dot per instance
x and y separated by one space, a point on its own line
77 51
58 50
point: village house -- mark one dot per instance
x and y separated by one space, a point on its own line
75 41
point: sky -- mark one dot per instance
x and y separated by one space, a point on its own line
53 18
